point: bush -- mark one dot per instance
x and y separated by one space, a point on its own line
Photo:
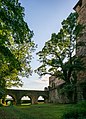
82 104
1 105
75 114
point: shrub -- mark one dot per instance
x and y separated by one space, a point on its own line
82 104
75 114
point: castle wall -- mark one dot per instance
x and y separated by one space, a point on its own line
81 41
80 8
55 95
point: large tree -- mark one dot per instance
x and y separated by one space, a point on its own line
58 56
16 45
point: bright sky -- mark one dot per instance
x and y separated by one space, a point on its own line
44 17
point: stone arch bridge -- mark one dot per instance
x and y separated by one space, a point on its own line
32 94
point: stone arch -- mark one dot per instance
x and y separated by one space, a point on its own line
33 94
26 99
45 98
41 99
9 99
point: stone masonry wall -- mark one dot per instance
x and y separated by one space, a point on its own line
55 87
81 41
80 8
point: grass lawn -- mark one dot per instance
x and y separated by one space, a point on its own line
40 111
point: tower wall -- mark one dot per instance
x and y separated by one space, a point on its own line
80 8
81 41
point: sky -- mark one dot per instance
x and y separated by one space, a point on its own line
44 17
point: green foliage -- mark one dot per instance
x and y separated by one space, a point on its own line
67 88
83 88
16 45
81 104
41 111
2 91
58 55
75 114
78 112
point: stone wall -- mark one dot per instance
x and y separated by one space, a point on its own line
81 41
55 95
80 8
54 82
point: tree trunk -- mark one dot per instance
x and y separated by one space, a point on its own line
75 95
0 101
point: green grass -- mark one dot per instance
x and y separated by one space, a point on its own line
40 111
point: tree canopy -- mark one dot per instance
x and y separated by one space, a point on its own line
16 45
58 57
